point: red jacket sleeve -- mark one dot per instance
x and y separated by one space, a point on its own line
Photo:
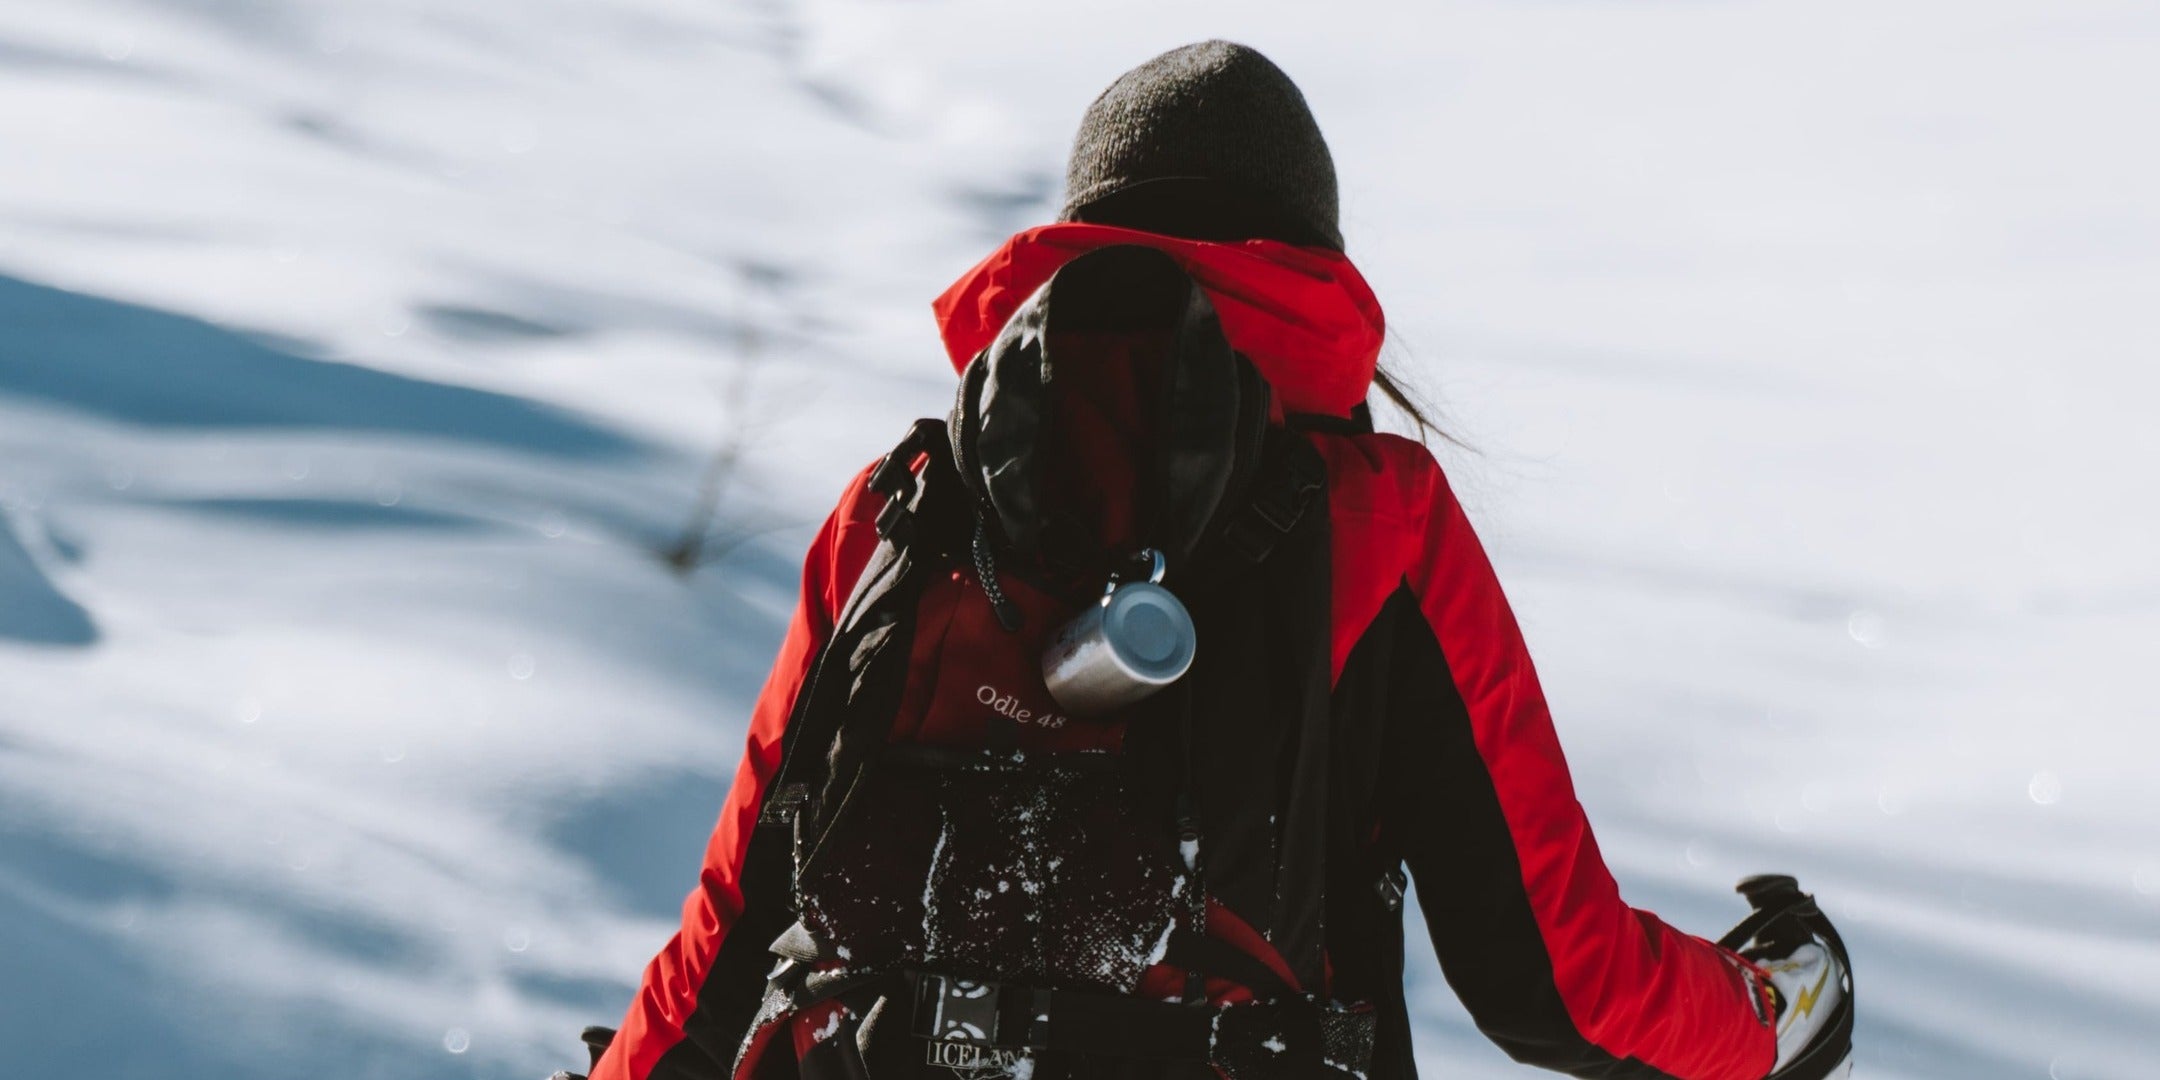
660 1036
1528 923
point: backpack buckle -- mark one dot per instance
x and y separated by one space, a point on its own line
894 478
953 1010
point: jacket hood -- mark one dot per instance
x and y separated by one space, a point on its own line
1304 316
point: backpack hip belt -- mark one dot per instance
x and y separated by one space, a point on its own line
1286 1037
962 1021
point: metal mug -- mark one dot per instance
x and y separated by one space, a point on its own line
1136 641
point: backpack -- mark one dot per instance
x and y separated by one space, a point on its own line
981 880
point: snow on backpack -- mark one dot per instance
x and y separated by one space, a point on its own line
988 880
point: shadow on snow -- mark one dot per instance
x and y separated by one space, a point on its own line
142 366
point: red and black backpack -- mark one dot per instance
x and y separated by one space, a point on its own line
982 882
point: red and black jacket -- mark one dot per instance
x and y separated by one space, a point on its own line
1390 628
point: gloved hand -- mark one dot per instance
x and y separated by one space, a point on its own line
1808 985
1810 974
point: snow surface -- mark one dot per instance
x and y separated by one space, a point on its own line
357 358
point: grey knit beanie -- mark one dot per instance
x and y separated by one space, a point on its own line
1217 112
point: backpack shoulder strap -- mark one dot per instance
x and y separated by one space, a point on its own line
913 528
1290 479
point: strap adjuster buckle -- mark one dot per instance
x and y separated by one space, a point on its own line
1390 887
781 808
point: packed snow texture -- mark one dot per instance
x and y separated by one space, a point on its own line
357 360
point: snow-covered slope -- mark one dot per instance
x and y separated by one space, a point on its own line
358 360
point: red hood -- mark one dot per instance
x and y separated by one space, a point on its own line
1304 315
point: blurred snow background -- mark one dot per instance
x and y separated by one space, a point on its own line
358 360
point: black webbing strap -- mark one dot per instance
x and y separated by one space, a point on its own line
1777 898
1761 919
1291 476
1033 1018
1244 1038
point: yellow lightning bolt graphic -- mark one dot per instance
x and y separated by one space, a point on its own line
1804 1003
